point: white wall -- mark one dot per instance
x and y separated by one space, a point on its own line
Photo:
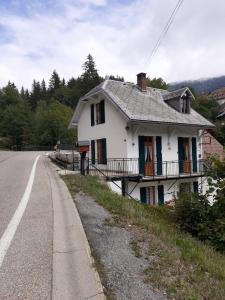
113 129
171 187
169 139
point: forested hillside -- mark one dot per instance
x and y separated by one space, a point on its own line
201 86
41 116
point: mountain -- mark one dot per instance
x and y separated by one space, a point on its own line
201 86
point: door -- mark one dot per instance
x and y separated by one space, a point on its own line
149 156
186 149
184 155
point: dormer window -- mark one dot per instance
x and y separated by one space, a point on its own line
179 100
185 105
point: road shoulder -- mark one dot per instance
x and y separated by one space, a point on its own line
74 276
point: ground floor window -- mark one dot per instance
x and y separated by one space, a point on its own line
148 195
185 187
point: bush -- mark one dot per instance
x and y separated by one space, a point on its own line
195 215
192 213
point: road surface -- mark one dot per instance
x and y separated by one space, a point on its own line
42 243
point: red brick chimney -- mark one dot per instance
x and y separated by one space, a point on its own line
141 81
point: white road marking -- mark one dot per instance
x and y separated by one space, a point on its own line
10 231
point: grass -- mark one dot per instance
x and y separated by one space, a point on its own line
136 248
102 274
184 267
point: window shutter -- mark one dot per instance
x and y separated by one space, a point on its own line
194 154
195 187
102 111
180 155
93 152
141 143
92 114
143 194
104 153
159 154
160 194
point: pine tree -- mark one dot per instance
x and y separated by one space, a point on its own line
90 77
35 96
54 83
43 90
63 82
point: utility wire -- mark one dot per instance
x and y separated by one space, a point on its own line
164 31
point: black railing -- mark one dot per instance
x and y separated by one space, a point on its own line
119 167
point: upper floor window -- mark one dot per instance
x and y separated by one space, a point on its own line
185 105
98 113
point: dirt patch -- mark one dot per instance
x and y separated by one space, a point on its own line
121 251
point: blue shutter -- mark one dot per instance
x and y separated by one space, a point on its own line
141 143
194 154
143 194
92 114
93 152
195 187
160 194
159 154
180 154
104 153
102 111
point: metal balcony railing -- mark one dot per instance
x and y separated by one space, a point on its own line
128 167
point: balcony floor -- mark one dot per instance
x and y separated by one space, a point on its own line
113 176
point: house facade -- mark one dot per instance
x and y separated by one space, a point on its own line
145 141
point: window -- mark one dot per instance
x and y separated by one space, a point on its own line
147 195
185 187
92 114
185 105
150 195
98 113
101 151
93 152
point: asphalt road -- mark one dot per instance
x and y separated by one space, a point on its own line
26 271
44 252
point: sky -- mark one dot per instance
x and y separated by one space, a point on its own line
39 36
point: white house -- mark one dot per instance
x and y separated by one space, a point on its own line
146 140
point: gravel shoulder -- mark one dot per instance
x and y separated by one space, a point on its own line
115 247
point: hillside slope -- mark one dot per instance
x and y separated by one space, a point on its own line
201 86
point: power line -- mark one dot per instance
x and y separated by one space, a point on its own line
165 30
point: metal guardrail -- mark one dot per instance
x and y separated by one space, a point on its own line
41 148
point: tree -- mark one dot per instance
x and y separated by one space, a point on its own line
51 123
16 124
43 90
195 214
90 77
157 83
35 95
54 83
117 78
206 107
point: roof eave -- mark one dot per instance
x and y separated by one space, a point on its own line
171 123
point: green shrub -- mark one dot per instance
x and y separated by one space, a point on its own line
192 213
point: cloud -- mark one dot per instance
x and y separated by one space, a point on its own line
37 37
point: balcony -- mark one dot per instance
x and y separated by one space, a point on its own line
118 168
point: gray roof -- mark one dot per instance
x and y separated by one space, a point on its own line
149 106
